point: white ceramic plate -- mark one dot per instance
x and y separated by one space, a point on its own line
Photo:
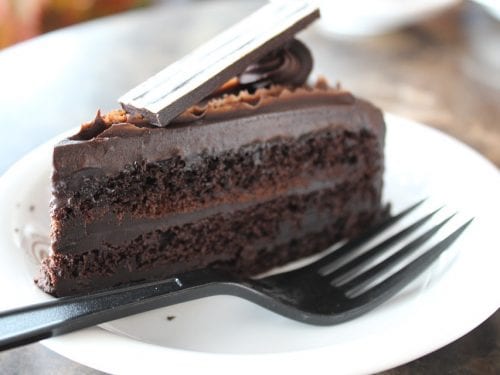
224 335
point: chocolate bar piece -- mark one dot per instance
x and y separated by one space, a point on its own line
189 80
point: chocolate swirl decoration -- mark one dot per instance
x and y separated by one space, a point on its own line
289 66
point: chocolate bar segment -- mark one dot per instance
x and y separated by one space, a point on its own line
189 80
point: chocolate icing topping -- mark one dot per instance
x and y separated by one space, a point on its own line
288 66
244 102
289 115
91 129
284 69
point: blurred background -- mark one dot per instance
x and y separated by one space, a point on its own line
434 61
24 19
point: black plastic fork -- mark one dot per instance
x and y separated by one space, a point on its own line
314 294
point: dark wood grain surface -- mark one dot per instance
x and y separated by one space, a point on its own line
444 72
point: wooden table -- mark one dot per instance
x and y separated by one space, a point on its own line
444 72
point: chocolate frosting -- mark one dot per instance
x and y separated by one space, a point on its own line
290 65
290 114
282 69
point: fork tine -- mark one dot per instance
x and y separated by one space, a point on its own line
369 275
400 279
377 250
368 235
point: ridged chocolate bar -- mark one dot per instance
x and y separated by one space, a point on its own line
189 80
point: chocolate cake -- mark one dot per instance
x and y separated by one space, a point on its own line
265 170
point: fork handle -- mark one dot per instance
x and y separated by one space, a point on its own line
41 321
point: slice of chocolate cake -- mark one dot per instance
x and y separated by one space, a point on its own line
252 182
263 171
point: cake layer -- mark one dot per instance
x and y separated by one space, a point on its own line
246 241
112 230
80 236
